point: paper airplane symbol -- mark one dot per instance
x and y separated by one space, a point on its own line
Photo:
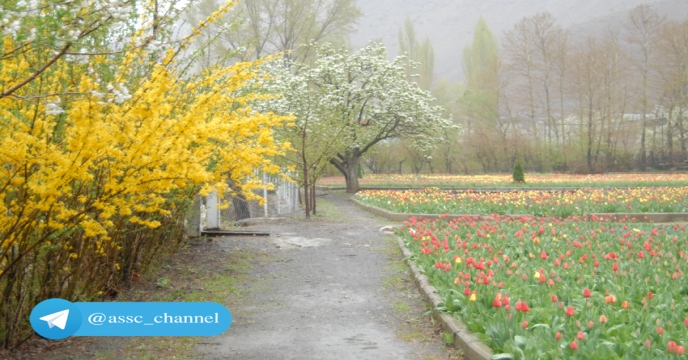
58 319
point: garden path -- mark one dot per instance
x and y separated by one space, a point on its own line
327 292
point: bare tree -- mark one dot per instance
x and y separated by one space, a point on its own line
672 66
587 66
292 27
536 49
642 34
519 60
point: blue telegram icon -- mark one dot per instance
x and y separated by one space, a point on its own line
58 319
55 319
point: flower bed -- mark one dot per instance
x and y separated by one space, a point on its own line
553 203
539 287
505 180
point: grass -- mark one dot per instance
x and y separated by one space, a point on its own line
400 306
419 326
325 210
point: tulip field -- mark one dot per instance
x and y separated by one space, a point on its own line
543 288
552 203
505 180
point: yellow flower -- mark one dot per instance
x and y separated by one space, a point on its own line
458 260
536 275
472 297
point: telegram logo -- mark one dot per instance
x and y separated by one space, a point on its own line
55 319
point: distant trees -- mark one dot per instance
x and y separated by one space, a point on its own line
615 101
420 56
672 69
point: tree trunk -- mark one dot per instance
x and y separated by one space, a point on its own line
241 207
352 178
313 196
239 202
306 193
348 166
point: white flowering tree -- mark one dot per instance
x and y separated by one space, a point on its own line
347 103
316 135
373 102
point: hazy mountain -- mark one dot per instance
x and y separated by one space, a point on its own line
450 23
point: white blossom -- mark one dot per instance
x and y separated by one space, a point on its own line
52 108
121 94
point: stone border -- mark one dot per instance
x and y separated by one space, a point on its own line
614 217
472 347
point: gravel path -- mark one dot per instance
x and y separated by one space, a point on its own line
322 294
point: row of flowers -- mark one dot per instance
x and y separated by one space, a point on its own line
554 203
538 287
505 180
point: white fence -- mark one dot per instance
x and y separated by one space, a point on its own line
207 214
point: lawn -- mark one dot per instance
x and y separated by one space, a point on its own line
542 288
505 180
552 203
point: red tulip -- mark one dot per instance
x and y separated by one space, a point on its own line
524 307
580 335
555 299
557 336
615 267
671 347
680 350
543 255
650 295
574 345
570 311
660 330
586 293
648 344
524 324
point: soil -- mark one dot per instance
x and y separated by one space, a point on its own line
333 287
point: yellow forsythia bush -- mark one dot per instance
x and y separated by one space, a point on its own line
100 158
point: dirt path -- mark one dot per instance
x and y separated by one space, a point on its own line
331 292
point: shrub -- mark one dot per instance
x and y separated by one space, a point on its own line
518 173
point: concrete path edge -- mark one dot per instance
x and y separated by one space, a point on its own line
473 348
614 217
